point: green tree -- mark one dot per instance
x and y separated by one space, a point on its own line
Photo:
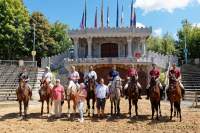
164 45
59 32
191 35
14 24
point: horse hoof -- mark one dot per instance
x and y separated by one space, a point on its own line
68 115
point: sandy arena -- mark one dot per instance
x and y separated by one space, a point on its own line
10 121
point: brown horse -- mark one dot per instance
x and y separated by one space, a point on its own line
91 95
154 94
70 95
174 96
23 95
45 95
133 95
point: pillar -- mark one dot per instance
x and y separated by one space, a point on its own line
143 46
129 40
89 41
76 47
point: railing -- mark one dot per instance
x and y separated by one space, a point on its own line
17 63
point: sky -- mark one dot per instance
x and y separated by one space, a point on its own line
162 15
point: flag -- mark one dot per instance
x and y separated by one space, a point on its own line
85 14
134 19
117 19
122 16
95 21
102 14
108 17
131 18
82 25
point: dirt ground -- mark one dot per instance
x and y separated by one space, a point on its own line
10 122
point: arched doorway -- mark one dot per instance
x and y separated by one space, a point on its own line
109 50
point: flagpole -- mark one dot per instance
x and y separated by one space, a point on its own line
85 14
122 15
102 25
117 19
108 17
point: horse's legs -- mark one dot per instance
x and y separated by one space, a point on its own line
157 104
68 110
160 109
111 110
152 108
20 108
118 107
93 103
136 108
42 107
25 108
171 110
88 106
47 106
180 111
129 106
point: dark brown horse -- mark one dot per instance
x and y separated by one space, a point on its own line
91 95
23 95
174 96
45 95
154 94
133 94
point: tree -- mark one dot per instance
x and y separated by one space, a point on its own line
164 45
59 32
190 34
14 24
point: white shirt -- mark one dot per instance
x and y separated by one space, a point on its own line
101 91
91 74
47 76
74 75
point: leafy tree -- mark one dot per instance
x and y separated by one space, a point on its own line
59 32
191 35
14 24
164 45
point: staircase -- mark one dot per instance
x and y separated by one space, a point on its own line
9 81
191 82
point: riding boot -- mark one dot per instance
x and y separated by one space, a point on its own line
147 93
140 93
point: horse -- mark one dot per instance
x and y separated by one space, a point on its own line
115 93
23 95
70 94
154 94
175 96
133 95
45 95
91 95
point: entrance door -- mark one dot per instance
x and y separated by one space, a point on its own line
109 50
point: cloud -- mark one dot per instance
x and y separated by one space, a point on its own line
196 24
164 5
157 32
198 1
139 25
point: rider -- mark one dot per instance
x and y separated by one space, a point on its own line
155 72
175 71
133 72
74 76
46 78
91 74
113 73
24 76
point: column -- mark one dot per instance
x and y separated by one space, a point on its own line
129 40
143 46
89 41
76 47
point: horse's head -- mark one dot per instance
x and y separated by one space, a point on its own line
21 83
172 78
91 83
133 79
70 87
153 81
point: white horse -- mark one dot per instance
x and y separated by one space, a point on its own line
70 93
115 93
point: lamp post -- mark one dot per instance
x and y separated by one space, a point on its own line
186 50
33 51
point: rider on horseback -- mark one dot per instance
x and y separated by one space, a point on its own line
113 73
132 72
74 76
154 73
90 75
46 79
23 76
177 74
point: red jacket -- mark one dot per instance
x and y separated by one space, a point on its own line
155 73
175 72
132 72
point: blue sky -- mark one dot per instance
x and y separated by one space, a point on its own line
163 15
